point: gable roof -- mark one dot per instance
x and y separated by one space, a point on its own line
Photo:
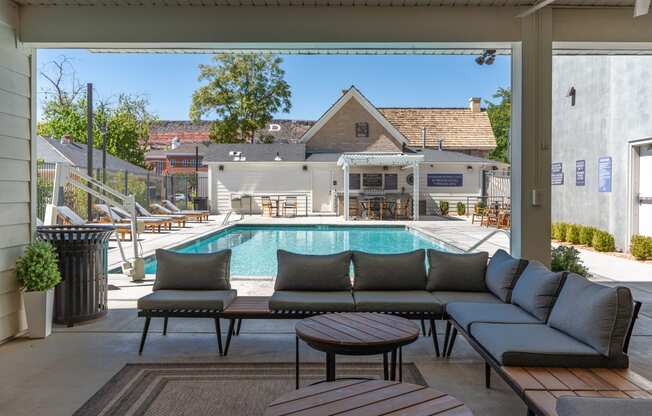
51 150
460 128
353 94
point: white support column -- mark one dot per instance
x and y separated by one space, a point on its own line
415 192
531 138
345 166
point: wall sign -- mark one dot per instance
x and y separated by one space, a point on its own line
580 172
557 173
446 179
604 174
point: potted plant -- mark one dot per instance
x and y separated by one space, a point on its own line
37 271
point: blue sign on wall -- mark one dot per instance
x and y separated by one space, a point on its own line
604 174
445 179
557 174
580 172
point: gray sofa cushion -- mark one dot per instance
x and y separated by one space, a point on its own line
313 272
466 314
340 301
404 271
537 289
503 271
187 299
396 301
183 271
538 345
602 406
595 314
460 272
446 297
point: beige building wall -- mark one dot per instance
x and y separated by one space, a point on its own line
16 169
338 134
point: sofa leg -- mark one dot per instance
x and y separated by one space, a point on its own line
218 332
144 336
452 342
423 327
165 325
237 331
228 336
447 335
487 375
433 328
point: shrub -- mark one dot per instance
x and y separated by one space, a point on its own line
641 247
38 268
461 208
479 206
586 235
603 241
443 207
559 231
567 258
573 233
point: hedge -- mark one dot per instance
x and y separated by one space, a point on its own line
603 241
641 247
590 236
461 208
586 235
573 233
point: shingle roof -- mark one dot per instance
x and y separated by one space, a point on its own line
76 155
460 128
447 156
257 152
184 149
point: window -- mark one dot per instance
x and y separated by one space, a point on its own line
354 181
361 129
372 180
391 181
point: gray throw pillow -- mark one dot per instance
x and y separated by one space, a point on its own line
457 272
502 272
404 271
313 272
183 271
537 289
595 314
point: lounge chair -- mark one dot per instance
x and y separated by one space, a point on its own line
180 219
113 215
68 216
290 205
167 220
169 205
160 209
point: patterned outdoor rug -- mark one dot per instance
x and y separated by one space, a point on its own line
229 389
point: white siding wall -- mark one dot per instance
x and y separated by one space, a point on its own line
16 169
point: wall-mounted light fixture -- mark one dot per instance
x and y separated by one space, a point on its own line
469 168
572 93
220 168
385 167
487 58
304 167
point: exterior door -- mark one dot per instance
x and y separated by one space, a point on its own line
321 190
645 191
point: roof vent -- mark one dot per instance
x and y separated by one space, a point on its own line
175 143
65 139
440 144
474 104
424 133
278 157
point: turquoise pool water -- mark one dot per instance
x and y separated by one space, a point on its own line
254 247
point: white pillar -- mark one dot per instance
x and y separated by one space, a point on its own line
415 192
345 166
531 138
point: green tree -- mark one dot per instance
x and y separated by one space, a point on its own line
500 114
242 93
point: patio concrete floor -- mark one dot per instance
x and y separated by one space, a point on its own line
56 375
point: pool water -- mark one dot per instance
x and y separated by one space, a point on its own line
254 247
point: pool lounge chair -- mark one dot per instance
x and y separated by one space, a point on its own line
180 219
152 224
68 216
169 205
167 220
160 209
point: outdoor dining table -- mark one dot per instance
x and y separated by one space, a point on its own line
368 204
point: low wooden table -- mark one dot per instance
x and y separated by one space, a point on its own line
367 398
357 334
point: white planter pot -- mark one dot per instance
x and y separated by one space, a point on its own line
39 307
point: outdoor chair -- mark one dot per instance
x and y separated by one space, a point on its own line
160 209
478 212
180 219
402 209
267 206
290 205
166 220
110 215
69 217
169 205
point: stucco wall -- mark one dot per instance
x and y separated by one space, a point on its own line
613 107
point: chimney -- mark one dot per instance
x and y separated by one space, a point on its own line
65 139
474 104
424 132
440 144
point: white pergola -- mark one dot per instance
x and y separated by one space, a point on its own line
403 160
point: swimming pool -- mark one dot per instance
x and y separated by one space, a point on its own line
254 247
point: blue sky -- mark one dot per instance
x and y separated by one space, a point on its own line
169 80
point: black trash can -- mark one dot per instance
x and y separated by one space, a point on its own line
200 203
83 263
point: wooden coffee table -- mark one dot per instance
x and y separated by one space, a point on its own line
357 334
367 398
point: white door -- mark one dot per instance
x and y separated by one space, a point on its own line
321 190
645 191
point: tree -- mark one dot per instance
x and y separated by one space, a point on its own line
500 114
126 120
242 92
